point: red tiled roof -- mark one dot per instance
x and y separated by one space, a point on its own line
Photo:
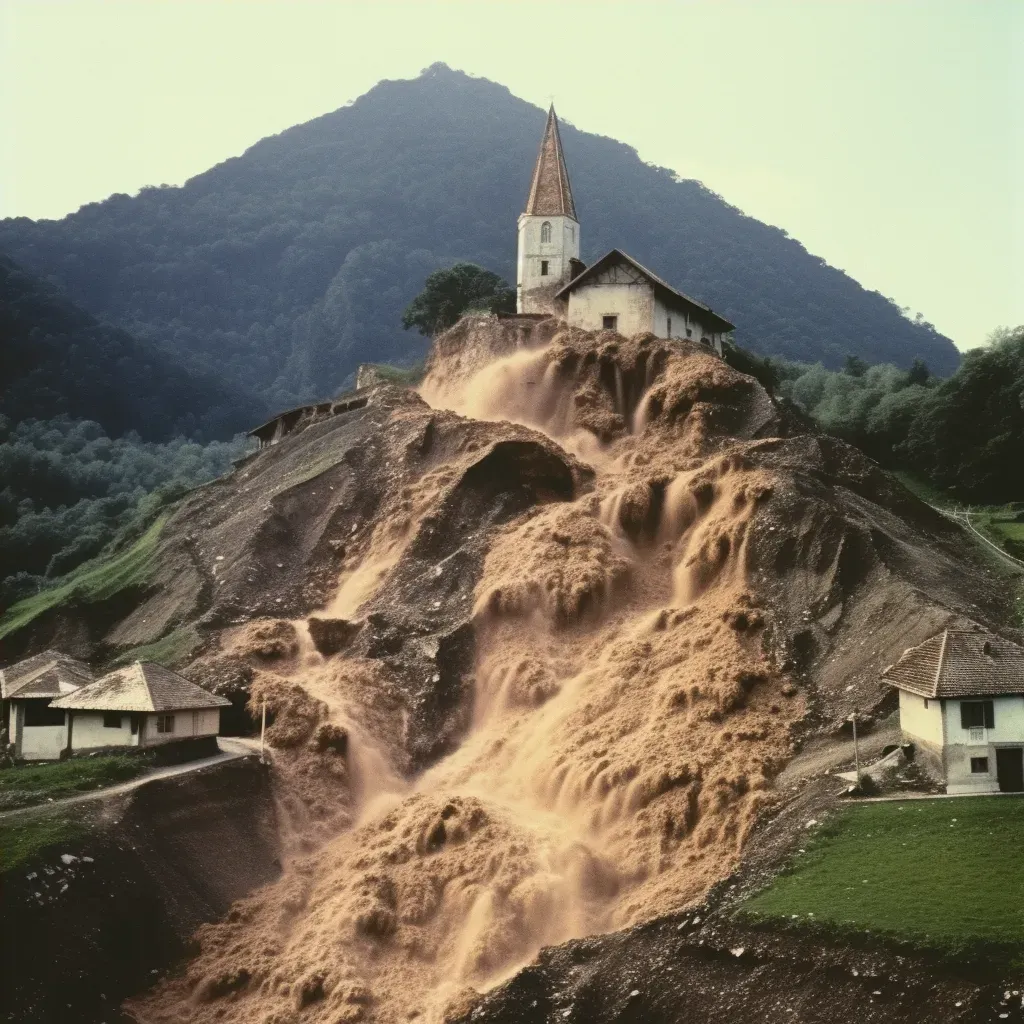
960 663
550 192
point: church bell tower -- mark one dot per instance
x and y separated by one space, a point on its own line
549 233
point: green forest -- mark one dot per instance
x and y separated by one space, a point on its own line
58 360
277 272
67 490
963 435
97 432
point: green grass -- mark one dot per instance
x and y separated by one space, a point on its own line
93 581
22 837
409 376
168 650
29 784
923 490
943 872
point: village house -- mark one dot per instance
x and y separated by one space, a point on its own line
617 293
37 730
141 705
962 706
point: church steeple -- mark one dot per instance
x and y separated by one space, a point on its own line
549 233
550 191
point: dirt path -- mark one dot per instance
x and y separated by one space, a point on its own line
826 755
963 518
231 748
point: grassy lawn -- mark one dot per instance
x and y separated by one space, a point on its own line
923 490
945 871
25 785
21 838
93 581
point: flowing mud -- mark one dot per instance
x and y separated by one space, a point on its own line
626 713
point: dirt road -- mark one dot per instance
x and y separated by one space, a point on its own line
231 748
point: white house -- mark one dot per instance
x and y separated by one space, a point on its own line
962 706
37 730
617 293
142 705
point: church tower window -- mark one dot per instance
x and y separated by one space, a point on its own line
545 231
543 268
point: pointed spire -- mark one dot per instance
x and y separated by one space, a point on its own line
550 192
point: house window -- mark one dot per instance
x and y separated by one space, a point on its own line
545 231
668 329
977 714
165 723
543 268
609 323
135 725
38 712
979 766
111 720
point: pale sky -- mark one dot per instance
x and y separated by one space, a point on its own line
886 135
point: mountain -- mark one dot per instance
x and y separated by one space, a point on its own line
284 268
58 360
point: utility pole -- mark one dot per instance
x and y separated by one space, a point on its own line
263 728
856 749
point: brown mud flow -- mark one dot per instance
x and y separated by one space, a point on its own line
605 722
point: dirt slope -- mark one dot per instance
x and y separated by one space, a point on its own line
535 644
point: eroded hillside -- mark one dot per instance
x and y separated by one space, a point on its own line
536 643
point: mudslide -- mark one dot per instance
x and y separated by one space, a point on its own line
581 726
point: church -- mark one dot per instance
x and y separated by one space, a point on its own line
616 293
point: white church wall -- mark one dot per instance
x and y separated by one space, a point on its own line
681 322
534 289
633 304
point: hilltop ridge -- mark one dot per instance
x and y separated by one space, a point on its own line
282 269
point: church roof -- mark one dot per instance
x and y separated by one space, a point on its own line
550 192
664 291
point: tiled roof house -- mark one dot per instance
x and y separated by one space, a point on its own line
962 706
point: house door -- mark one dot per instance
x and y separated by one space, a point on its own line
1010 769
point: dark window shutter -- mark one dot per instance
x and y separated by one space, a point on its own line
973 713
990 714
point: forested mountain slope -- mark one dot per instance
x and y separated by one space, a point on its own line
284 268
58 360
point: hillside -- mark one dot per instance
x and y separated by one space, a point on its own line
283 269
57 360
537 644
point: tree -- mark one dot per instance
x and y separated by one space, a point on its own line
855 366
918 373
449 293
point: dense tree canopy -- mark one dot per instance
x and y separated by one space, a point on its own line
449 293
969 435
964 434
281 270
56 359
67 489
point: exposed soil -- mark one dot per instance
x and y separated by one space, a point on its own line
82 933
535 646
